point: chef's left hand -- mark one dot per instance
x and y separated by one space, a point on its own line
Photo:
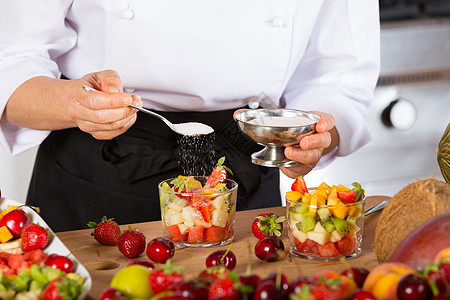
310 148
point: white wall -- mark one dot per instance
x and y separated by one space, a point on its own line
15 174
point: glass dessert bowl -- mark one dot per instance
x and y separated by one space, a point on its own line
322 226
195 214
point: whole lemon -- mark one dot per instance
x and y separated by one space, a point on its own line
132 281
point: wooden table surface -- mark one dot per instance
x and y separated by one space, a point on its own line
103 262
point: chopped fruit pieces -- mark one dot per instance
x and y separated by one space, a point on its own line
5 234
299 185
197 212
325 224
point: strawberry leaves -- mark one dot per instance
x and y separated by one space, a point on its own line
267 224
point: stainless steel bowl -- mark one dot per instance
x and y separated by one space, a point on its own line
275 128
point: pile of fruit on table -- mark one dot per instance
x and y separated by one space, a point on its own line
145 279
26 271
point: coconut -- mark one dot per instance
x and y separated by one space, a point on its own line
410 207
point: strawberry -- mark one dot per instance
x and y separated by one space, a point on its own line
299 185
106 232
131 242
213 273
218 174
62 288
315 291
165 277
354 195
266 224
34 237
226 288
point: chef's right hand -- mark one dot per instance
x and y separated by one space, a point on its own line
104 114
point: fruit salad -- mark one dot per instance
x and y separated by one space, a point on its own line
325 223
199 210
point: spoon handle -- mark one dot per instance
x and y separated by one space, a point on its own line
376 207
168 123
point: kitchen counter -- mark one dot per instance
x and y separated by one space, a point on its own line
103 262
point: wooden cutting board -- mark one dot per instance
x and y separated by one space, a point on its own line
103 262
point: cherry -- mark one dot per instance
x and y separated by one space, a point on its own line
223 257
110 294
267 290
413 287
160 249
298 283
270 249
250 280
15 221
193 289
60 262
362 295
143 262
358 275
283 281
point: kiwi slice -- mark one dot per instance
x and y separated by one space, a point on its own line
301 209
307 224
341 225
329 226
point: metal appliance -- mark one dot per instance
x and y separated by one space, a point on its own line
411 107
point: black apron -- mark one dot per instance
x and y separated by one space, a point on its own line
77 179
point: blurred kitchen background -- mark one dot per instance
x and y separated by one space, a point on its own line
408 116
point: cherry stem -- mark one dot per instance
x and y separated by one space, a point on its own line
223 256
278 277
249 264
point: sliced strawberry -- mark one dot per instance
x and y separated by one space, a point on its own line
299 185
354 195
218 174
206 211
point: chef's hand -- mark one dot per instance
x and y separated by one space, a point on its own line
310 148
104 114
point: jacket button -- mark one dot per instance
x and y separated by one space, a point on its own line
275 22
127 14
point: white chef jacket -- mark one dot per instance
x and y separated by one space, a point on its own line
201 55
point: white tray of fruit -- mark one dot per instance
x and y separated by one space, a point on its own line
54 248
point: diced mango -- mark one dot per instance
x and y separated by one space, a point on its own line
294 195
342 188
354 212
306 198
313 206
323 186
319 198
340 211
5 234
333 191
333 202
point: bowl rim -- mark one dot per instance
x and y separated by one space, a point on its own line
231 190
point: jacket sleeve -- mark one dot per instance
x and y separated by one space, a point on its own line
33 35
339 70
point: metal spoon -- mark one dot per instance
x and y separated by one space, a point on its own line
189 128
376 207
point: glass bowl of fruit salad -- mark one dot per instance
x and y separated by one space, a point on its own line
325 223
197 211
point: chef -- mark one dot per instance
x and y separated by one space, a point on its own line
191 61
